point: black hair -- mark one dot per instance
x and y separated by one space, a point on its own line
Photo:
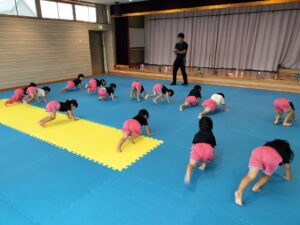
72 102
197 87
46 89
292 106
221 94
143 112
80 75
283 148
181 35
206 123
113 85
171 92
103 82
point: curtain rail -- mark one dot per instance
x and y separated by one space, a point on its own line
228 14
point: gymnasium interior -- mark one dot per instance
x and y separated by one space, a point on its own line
69 172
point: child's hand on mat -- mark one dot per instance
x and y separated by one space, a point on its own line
286 177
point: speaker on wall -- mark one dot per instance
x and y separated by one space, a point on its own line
117 9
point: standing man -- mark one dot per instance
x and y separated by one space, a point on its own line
180 51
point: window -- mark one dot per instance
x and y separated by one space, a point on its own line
8 7
82 13
49 9
18 7
85 13
92 14
26 8
65 11
56 10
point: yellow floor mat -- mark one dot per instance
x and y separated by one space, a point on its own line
88 139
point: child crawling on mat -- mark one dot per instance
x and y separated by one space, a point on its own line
93 84
266 158
72 84
132 128
281 106
54 106
137 89
18 95
160 91
212 103
37 93
105 92
32 91
193 98
202 148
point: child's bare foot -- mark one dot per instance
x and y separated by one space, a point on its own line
119 149
256 189
238 198
146 97
41 124
276 121
199 116
180 108
286 124
187 179
138 100
203 166
154 101
132 141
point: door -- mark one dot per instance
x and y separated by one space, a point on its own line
122 40
96 47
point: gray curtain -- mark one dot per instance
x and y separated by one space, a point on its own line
103 14
256 38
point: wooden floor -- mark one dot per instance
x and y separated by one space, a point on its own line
263 81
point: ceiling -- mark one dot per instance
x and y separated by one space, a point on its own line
111 2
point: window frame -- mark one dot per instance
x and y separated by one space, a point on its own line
17 11
36 10
39 11
55 7
73 19
88 11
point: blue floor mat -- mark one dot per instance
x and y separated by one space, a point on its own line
42 184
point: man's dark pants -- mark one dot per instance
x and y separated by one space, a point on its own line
179 63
